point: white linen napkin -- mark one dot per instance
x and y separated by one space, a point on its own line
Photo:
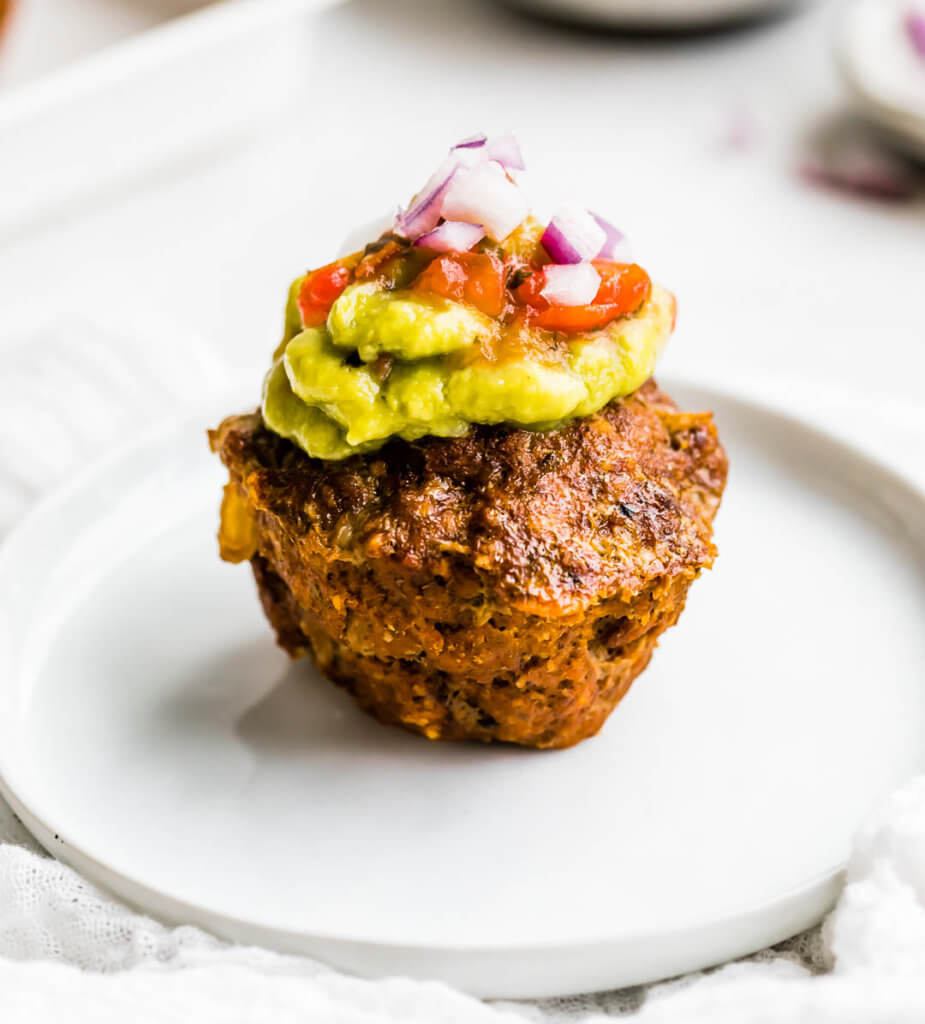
69 952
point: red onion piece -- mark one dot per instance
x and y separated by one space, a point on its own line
494 188
506 151
615 247
484 195
452 236
575 284
503 149
914 22
573 235
423 214
472 142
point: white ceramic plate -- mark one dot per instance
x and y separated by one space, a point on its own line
655 14
152 735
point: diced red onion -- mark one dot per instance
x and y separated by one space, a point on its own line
484 195
469 156
506 151
452 236
573 284
472 142
915 29
493 188
573 235
503 149
423 214
615 247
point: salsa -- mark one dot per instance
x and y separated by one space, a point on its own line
497 287
400 341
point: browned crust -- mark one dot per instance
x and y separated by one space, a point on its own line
506 585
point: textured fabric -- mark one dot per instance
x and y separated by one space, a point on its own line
67 395
69 952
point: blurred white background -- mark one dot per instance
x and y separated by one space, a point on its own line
169 192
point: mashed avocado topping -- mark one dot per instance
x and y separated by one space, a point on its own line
468 311
370 321
389 364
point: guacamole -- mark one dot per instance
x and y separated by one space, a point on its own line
398 363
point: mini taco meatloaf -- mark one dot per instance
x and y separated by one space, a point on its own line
463 494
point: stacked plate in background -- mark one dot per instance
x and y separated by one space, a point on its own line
883 69
655 15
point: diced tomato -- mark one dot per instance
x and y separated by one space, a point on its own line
528 292
473 277
625 285
574 318
320 290
624 288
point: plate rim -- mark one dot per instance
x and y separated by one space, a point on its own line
95 870
178 910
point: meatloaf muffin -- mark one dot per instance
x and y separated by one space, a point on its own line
472 567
